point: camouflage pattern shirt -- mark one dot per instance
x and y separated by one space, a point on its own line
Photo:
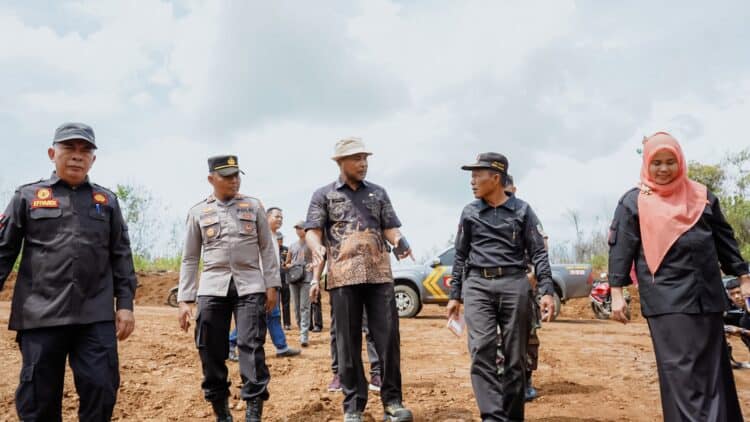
353 222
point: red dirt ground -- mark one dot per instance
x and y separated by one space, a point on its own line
590 370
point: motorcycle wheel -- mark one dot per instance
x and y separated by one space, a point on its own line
600 312
172 299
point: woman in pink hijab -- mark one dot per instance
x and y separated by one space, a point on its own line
673 229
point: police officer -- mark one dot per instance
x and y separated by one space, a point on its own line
76 261
240 276
495 235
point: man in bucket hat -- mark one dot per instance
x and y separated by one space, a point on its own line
350 221
495 235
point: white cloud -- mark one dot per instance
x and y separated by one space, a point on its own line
565 89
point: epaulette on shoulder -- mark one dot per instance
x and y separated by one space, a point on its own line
202 201
102 188
25 185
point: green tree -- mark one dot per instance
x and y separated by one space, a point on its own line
713 176
137 206
729 180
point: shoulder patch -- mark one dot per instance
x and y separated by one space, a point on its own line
105 190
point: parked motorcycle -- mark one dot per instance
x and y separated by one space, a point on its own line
172 298
601 298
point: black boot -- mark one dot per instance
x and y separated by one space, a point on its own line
221 410
254 410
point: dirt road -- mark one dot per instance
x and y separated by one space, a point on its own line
590 371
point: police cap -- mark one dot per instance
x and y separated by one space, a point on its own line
490 161
225 165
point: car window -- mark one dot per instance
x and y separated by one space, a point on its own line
448 257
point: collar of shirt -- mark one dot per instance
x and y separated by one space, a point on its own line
219 202
339 184
509 204
55 179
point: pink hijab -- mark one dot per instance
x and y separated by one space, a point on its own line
666 212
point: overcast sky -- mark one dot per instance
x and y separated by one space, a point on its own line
565 89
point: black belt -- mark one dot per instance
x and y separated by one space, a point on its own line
496 272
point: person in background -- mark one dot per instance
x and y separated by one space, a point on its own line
737 317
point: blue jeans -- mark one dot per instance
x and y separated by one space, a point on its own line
273 321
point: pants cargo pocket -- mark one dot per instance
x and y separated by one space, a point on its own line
26 393
200 333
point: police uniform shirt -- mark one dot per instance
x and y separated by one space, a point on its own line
509 235
236 243
689 278
76 255
352 223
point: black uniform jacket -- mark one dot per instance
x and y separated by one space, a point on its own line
509 235
689 278
76 255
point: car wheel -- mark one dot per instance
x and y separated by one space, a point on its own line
172 298
558 305
407 301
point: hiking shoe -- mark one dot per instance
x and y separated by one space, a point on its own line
354 417
221 410
287 327
396 412
233 356
531 393
375 383
335 385
254 410
289 352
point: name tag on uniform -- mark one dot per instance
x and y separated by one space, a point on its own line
44 199
45 203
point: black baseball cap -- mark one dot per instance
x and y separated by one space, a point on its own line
225 165
491 161
71 131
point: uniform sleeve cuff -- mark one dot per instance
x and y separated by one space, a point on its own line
545 287
619 280
125 303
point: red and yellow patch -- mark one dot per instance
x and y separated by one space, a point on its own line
45 203
243 205
100 198
43 193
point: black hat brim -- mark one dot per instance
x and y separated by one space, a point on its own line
229 171
479 167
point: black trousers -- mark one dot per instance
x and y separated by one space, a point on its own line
379 301
695 376
489 304
286 314
211 328
376 367
316 314
92 350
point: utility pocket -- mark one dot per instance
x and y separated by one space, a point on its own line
26 393
45 213
248 223
210 227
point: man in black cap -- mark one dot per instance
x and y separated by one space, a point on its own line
496 234
73 297
240 276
